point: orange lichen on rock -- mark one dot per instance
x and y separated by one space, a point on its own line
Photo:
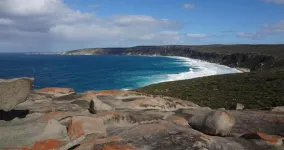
89 95
178 120
110 91
81 126
269 139
227 114
75 129
46 145
56 90
119 147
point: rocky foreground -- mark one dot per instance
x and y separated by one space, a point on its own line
59 118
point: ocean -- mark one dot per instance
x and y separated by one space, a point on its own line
104 72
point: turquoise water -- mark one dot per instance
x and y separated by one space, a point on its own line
98 72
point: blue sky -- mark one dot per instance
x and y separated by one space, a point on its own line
57 25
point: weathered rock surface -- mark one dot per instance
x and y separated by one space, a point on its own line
79 126
99 105
14 92
89 144
178 120
20 134
136 121
240 106
214 122
57 92
264 139
279 109
45 145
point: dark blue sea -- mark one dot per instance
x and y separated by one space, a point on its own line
103 72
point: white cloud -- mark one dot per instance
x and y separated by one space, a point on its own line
32 7
84 31
274 28
135 20
189 6
274 1
118 26
265 30
44 25
246 34
194 35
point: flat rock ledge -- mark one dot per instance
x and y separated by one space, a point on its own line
59 118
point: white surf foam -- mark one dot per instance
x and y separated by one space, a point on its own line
199 68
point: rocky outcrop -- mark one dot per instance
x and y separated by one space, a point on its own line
119 147
264 139
14 92
99 105
136 121
87 145
213 123
247 57
16 134
82 126
239 106
178 120
112 99
57 92
44 145
278 109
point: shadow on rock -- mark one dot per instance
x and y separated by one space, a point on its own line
10 115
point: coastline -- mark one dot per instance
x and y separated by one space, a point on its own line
201 69
253 57
197 68
239 69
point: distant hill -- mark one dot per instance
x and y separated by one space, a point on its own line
253 57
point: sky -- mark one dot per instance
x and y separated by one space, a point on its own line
60 25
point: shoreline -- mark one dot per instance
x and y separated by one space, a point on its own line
201 69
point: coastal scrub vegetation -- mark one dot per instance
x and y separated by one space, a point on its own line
258 89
